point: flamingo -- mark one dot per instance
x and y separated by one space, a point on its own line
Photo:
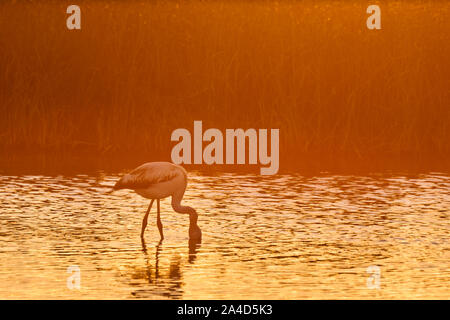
156 181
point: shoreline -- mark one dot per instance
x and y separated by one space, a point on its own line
69 162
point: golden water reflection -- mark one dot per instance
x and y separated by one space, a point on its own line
283 237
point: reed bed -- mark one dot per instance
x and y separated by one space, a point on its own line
137 70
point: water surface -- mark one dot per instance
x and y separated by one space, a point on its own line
283 237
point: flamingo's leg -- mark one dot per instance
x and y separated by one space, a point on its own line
144 222
158 222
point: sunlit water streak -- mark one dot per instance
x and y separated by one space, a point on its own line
284 237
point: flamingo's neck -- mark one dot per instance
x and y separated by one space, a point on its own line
183 209
194 230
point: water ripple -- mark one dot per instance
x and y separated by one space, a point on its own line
279 237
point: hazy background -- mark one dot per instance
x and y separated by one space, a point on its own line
137 70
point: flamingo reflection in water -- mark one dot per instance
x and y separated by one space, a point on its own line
162 282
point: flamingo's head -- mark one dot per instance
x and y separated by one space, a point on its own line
194 231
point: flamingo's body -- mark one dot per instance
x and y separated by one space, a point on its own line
159 180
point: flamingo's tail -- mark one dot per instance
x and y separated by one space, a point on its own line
121 184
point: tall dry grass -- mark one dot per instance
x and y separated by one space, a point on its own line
140 69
